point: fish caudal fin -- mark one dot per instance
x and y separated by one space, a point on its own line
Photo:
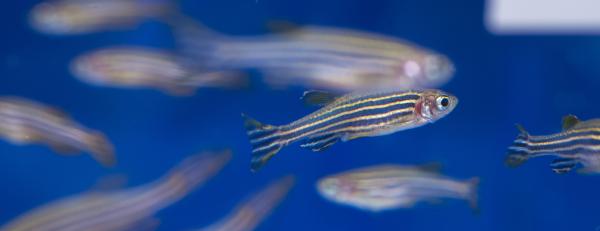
473 195
101 149
518 152
265 140
563 165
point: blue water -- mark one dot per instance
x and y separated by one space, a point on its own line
500 81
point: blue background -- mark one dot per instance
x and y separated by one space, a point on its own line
500 80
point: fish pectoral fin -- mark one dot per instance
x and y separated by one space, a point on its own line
320 143
318 98
569 121
563 165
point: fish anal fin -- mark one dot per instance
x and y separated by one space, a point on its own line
318 98
563 165
352 136
64 149
320 143
569 121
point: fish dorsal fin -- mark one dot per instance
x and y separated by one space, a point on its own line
110 183
569 121
283 26
318 98
433 167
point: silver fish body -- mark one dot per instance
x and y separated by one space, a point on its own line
71 17
23 121
121 209
141 67
248 215
349 117
325 58
578 143
387 187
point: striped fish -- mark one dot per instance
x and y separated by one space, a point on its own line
121 209
248 215
578 143
135 67
23 121
323 58
75 17
386 187
349 117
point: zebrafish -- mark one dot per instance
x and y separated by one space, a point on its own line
578 143
349 117
322 58
147 67
386 187
23 121
247 216
72 17
121 209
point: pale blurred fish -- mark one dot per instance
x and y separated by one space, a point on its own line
348 117
71 17
577 143
321 57
139 67
23 121
122 209
248 215
387 187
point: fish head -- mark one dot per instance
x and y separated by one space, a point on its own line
437 70
434 105
329 187
90 67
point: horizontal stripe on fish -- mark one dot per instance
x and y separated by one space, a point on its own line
371 121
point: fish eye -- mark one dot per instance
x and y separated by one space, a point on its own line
442 103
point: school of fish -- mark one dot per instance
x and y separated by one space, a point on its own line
369 85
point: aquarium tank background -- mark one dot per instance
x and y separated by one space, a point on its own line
500 80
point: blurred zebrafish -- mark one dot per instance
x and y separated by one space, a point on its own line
23 121
122 209
247 216
138 67
349 117
71 17
321 58
578 143
387 187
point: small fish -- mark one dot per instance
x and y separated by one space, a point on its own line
578 143
321 57
138 67
73 17
122 209
349 117
23 121
386 187
248 215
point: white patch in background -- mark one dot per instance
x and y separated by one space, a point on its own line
543 16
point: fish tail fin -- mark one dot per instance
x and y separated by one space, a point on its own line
265 140
196 169
519 151
473 195
101 149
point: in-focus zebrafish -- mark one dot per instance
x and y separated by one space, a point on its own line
70 17
23 121
146 67
121 209
578 143
248 215
386 187
322 58
349 117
